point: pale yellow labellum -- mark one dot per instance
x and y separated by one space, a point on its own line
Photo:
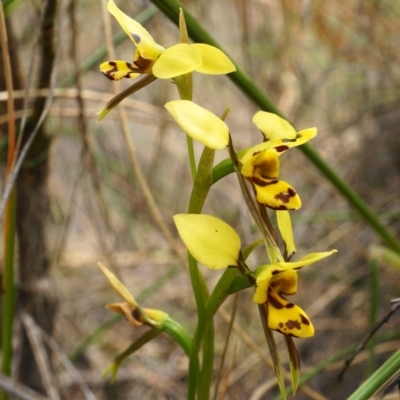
210 240
199 123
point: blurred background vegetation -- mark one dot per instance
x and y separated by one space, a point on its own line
334 65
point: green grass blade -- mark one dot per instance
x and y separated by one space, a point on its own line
8 292
376 380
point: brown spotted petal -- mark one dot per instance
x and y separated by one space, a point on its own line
286 317
276 194
285 283
261 166
132 314
117 69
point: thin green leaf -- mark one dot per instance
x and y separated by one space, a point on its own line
178 333
273 349
294 362
376 380
136 345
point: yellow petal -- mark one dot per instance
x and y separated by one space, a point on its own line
285 283
176 61
285 228
142 39
263 280
117 285
277 195
279 145
306 260
262 165
116 70
213 60
199 123
273 127
210 240
287 318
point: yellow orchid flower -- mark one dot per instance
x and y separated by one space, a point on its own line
130 309
199 123
151 58
260 164
277 280
210 240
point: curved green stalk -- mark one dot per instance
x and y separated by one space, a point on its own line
178 333
171 9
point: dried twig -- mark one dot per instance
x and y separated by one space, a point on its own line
68 366
389 386
42 360
19 390
383 320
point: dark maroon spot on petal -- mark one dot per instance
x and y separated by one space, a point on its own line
289 305
281 148
144 65
262 183
292 140
276 272
274 302
136 315
285 197
293 324
136 38
280 325
304 320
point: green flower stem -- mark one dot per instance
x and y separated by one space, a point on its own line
205 378
376 380
223 169
185 88
178 333
171 9
8 292
198 379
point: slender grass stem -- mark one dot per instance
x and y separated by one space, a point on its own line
8 291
